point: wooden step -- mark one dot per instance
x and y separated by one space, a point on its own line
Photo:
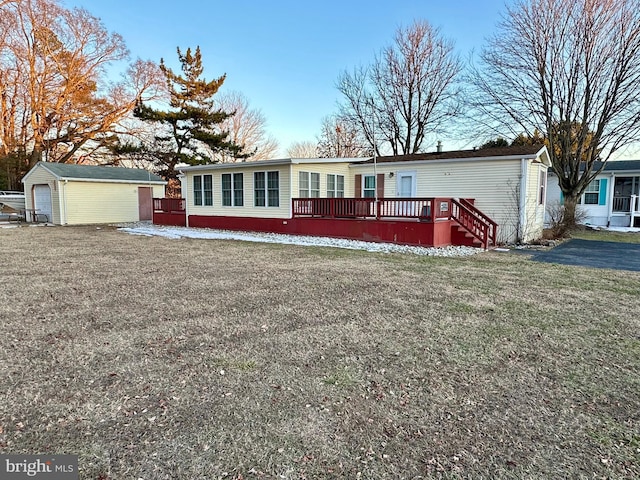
460 236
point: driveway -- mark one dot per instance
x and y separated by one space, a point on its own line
591 253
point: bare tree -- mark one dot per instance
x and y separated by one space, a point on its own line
303 149
570 70
56 99
407 93
340 138
246 127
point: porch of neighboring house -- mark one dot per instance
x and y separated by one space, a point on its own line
433 222
626 199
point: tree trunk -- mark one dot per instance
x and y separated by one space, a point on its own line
570 212
35 157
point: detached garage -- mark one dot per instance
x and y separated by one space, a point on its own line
84 194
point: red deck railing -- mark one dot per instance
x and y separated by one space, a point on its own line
334 207
169 205
426 209
474 221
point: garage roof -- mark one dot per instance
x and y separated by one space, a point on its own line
64 171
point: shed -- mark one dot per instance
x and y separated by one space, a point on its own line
87 194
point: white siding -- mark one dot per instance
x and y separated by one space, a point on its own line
101 202
248 209
591 214
534 211
323 169
494 184
39 176
599 214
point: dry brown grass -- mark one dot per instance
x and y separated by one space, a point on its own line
153 358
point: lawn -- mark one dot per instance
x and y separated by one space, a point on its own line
160 359
607 235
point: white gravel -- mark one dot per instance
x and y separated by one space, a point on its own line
147 229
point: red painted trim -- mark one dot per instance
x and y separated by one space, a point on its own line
409 232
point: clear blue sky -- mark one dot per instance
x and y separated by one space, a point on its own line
284 55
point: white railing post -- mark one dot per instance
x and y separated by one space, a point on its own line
634 208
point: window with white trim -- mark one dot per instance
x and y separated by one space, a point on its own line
335 186
592 193
203 190
543 187
369 186
266 189
232 190
308 185
273 189
197 189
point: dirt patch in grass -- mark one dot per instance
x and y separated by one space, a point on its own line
156 358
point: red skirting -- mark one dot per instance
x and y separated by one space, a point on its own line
172 219
403 232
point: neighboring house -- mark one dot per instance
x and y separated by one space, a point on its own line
68 194
414 199
611 199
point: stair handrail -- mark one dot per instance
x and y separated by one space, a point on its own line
480 213
481 226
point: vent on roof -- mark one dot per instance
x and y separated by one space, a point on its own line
439 147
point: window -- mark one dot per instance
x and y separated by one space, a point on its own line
203 190
273 189
308 185
543 187
592 193
369 186
208 189
232 190
197 189
266 192
335 186
259 190
303 184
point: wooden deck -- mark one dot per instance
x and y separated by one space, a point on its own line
410 221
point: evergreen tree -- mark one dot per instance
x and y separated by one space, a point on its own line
190 131
499 142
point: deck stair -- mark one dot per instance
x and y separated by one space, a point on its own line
473 227
461 236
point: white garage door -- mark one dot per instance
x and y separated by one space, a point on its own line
42 200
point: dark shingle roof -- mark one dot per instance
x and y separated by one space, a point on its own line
480 153
632 166
618 165
94 172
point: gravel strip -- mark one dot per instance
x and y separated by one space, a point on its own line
205 233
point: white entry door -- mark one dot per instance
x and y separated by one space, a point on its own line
406 186
42 200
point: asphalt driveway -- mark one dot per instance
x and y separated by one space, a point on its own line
591 253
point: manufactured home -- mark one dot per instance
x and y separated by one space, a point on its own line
611 199
492 196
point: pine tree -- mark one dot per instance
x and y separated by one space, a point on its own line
190 130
